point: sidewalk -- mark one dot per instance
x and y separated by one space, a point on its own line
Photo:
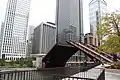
112 74
92 73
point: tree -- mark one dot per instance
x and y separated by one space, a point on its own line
12 63
109 33
29 64
2 62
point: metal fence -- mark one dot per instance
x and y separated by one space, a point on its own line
82 76
58 77
36 75
23 75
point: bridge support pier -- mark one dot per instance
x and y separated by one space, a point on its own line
39 63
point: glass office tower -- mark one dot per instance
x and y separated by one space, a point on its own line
69 22
97 8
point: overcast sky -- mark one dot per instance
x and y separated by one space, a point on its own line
44 10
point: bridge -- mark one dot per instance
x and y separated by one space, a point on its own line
54 65
59 55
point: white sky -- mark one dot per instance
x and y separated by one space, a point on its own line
44 10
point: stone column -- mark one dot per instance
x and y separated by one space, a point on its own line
39 63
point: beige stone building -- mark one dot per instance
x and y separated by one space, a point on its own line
91 39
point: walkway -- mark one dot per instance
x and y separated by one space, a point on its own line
93 73
112 74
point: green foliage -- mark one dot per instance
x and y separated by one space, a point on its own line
29 63
2 62
17 61
22 63
111 45
109 33
11 63
16 65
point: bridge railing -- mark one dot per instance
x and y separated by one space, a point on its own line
89 51
36 74
17 75
61 77
82 76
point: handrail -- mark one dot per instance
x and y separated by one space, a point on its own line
94 52
83 46
103 53
86 52
97 53
100 51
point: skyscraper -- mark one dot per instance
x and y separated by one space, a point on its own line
69 20
30 32
97 8
30 38
44 38
1 33
15 29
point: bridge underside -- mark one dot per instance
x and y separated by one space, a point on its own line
58 56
